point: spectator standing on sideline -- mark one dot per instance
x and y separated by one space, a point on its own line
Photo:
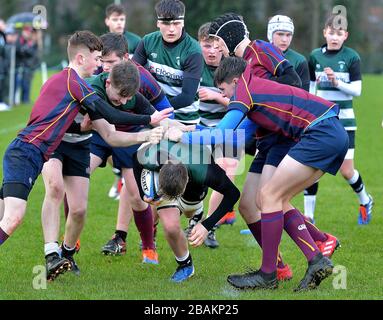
3 65
26 61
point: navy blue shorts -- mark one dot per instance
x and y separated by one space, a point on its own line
351 139
122 157
75 158
271 150
22 164
323 146
251 146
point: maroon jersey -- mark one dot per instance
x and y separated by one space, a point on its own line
277 107
265 60
58 104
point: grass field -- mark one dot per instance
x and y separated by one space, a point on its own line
127 278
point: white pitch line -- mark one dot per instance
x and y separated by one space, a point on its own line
229 291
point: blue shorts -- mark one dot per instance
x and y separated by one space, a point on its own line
122 157
271 150
251 146
322 146
22 164
351 139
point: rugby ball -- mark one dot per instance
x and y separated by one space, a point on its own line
149 184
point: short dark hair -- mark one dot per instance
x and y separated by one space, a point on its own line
125 77
170 9
337 23
81 40
173 179
229 68
114 8
113 42
203 32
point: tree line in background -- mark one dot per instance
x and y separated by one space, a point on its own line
365 21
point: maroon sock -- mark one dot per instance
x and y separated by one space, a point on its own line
256 230
296 228
144 223
315 233
66 208
3 236
272 228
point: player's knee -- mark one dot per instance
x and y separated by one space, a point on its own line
267 196
55 190
347 172
172 229
16 220
137 203
78 211
244 206
258 202
133 196
13 220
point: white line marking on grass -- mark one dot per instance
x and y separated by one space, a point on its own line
230 292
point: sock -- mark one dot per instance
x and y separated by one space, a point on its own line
272 227
309 204
296 228
357 185
315 233
310 200
66 251
117 172
144 223
51 247
3 236
186 260
121 234
66 208
256 230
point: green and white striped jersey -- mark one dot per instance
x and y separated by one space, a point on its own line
346 65
211 112
167 64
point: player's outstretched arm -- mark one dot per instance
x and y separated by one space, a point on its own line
170 123
101 109
158 117
125 139
217 135
217 180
